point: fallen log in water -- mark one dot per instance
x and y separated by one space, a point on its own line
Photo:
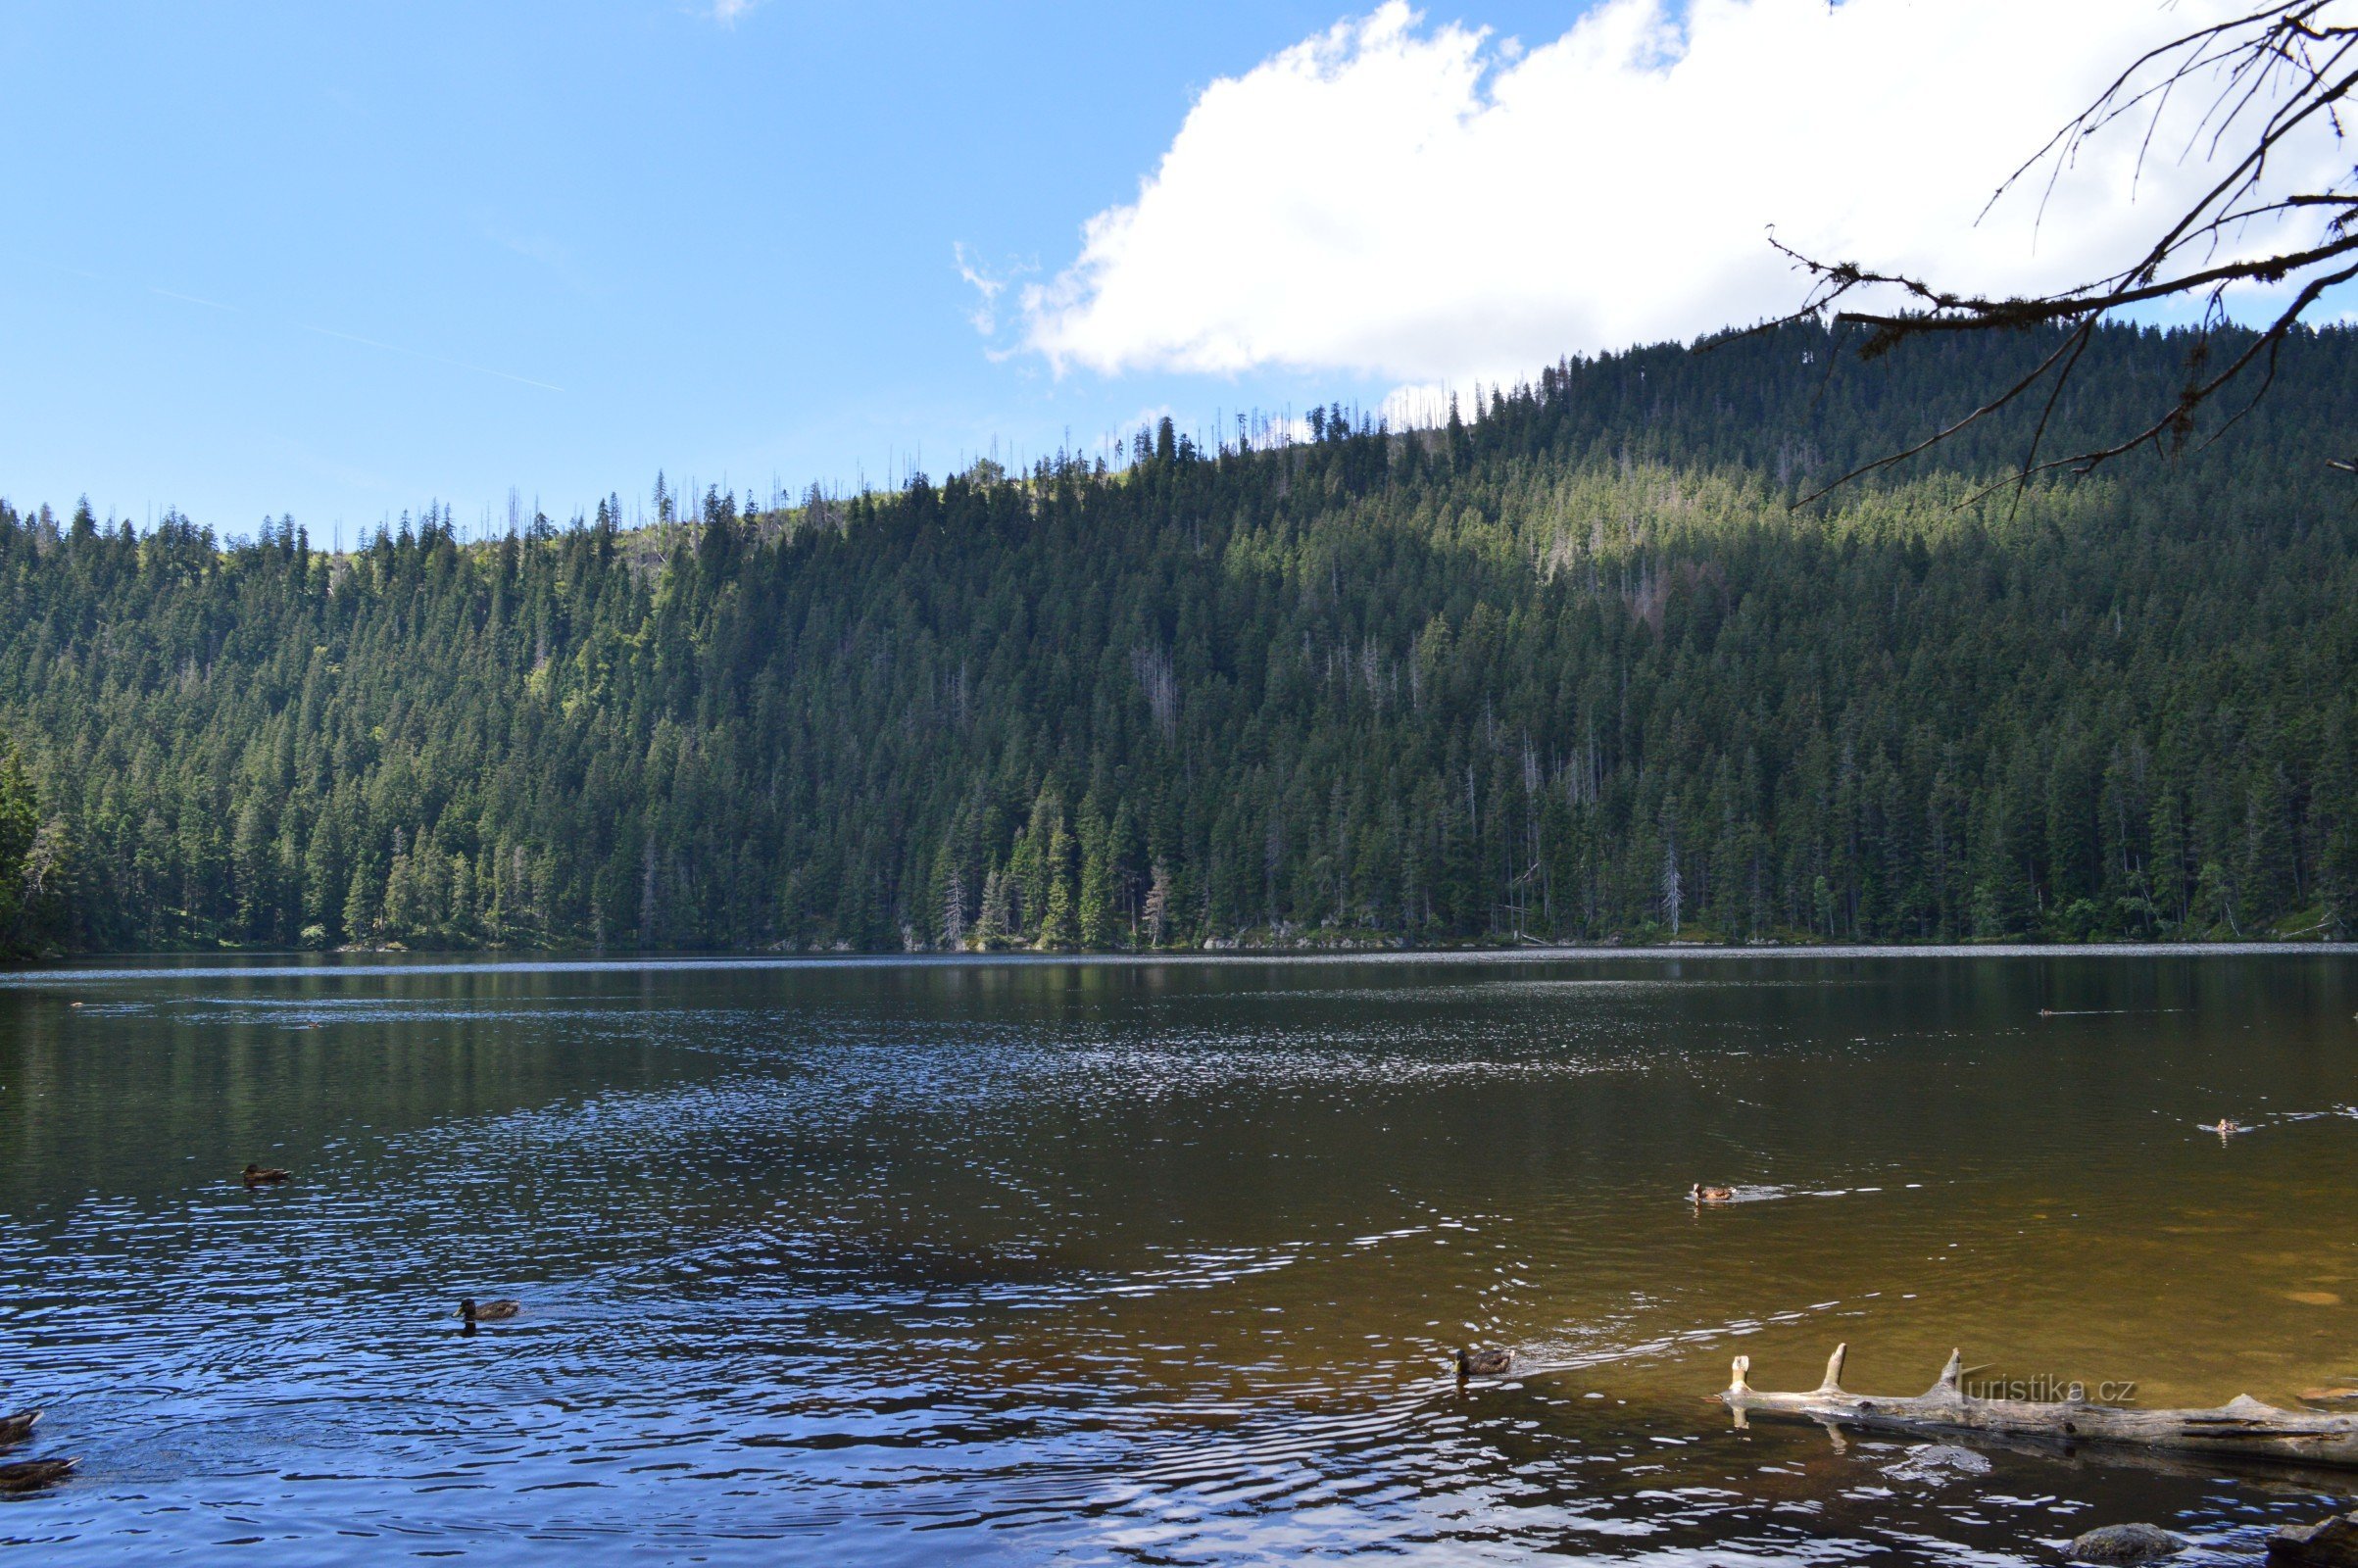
2241 1426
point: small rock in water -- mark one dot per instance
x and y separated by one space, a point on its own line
1937 1462
2125 1543
2328 1543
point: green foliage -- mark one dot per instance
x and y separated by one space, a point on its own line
34 868
1570 670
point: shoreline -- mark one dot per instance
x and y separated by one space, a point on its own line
264 965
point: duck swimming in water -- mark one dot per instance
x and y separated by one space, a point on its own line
15 1429
475 1311
1483 1363
2225 1127
31 1475
1699 1194
262 1175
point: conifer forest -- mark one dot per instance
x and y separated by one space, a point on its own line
1569 668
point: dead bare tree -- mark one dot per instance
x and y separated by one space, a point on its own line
2275 74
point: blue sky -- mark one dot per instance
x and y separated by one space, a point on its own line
592 240
341 261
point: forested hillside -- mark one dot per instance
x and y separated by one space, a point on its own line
1572 670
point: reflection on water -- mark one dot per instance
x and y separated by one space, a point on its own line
1153 1262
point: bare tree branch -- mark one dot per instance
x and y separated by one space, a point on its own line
2275 73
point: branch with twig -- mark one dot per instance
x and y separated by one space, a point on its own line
2275 74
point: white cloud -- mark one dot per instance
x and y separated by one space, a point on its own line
728 11
1413 202
1418 403
989 281
985 316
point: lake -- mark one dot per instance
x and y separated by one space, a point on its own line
1154 1263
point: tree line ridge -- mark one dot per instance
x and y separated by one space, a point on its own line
1572 670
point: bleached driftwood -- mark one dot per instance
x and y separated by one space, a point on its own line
2243 1425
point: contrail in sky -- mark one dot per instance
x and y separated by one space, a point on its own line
366 342
213 305
420 354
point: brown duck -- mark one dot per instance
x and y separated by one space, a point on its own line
1488 1363
262 1175
475 1311
31 1475
1699 1194
15 1429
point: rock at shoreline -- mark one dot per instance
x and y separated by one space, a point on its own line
2328 1543
2124 1544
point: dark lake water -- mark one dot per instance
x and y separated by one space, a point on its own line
1156 1263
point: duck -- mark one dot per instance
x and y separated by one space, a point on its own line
1699 1194
15 1429
475 1311
1488 1363
31 1475
263 1175
2224 1126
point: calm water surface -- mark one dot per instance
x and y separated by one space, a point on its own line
1152 1263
